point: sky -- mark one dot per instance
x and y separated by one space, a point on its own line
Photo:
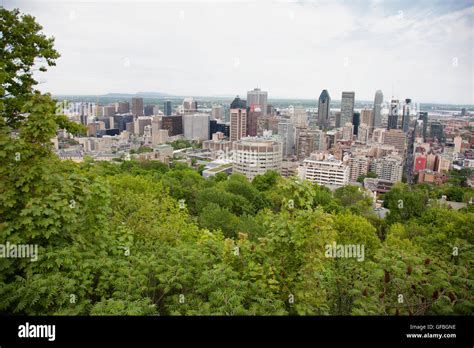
423 50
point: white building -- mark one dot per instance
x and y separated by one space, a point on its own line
254 156
196 126
324 172
388 168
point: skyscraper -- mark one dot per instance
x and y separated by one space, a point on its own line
238 119
137 106
347 107
406 115
393 115
378 108
254 112
190 106
258 97
286 130
423 115
323 109
167 110
356 122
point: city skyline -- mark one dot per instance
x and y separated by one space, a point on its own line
402 48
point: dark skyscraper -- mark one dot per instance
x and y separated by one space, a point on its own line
356 122
148 110
406 115
167 108
423 115
436 131
323 109
137 106
393 115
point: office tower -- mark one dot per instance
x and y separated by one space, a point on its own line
347 131
436 131
367 117
238 119
423 115
324 171
122 107
396 138
258 97
363 134
167 109
356 122
189 106
304 143
388 168
137 106
217 112
378 100
406 116
286 131
215 126
173 123
299 117
148 110
158 134
256 155
337 123
254 112
323 109
393 115
270 110
347 107
196 127
109 110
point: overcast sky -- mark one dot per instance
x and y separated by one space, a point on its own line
423 50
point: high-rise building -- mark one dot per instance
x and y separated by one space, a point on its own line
324 172
217 112
347 107
393 115
378 135
258 97
367 117
396 138
436 131
173 123
122 107
337 116
167 109
238 119
196 127
286 131
149 110
299 117
457 143
137 106
378 100
358 165
363 134
406 116
423 115
388 168
356 122
190 106
324 106
256 155
347 131
254 112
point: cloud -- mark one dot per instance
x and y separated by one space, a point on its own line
290 49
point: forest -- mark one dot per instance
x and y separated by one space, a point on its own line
142 238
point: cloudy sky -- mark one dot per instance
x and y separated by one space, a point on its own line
423 50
